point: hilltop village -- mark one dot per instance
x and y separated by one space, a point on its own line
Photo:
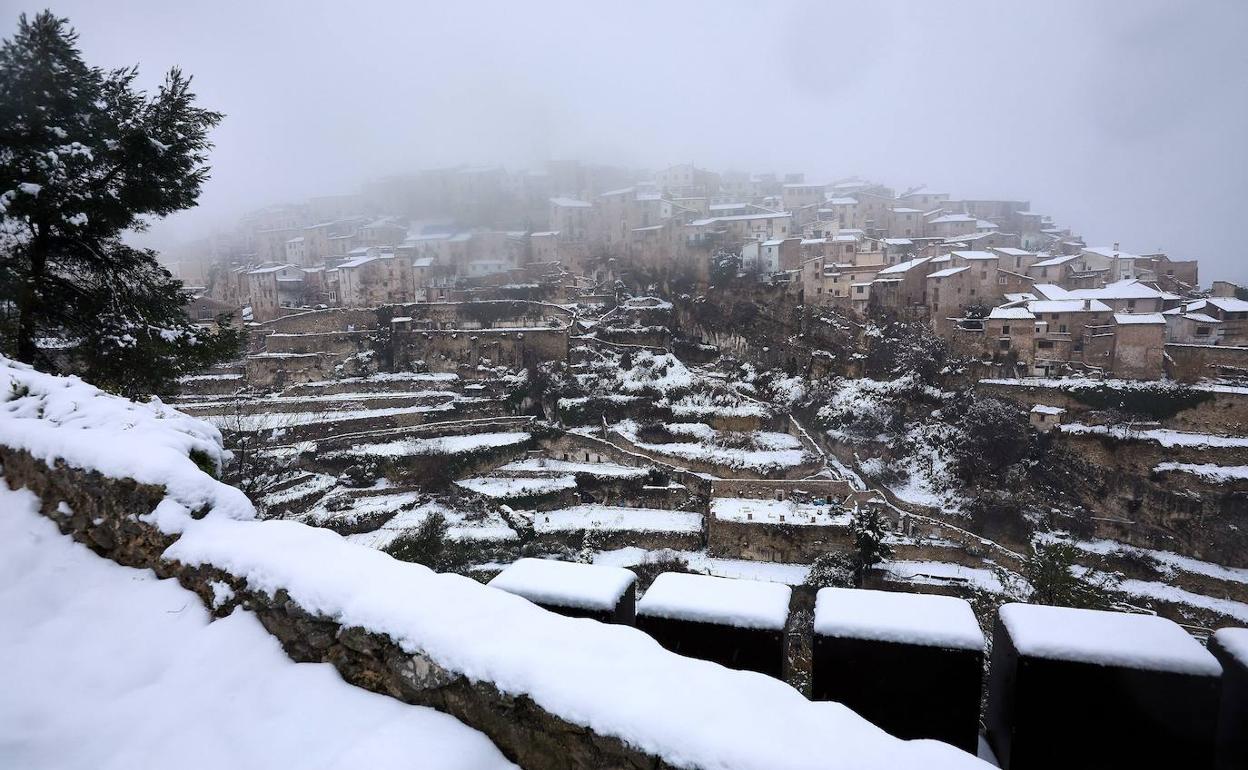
726 372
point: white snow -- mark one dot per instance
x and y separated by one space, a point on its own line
64 418
775 450
263 421
1216 474
929 620
1167 438
460 525
610 518
941 573
543 464
745 510
722 601
698 561
108 667
1106 638
515 486
566 584
448 445
1044 409
1234 641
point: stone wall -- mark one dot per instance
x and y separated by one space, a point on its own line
318 342
322 321
1192 362
104 517
446 350
1222 412
785 543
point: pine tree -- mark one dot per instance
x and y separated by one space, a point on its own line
869 546
84 158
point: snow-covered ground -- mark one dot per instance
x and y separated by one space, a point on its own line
106 667
1167 438
504 487
482 526
448 445
701 443
774 572
1210 472
610 518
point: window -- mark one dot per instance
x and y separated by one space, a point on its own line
1004 344
1005 328
1062 328
1130 304
1045 344
1202 331
1002 280
858 289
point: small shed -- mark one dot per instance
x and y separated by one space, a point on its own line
1046 418
910 663
1230 647
1075 688
736 623
577 590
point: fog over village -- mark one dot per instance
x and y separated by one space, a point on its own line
489 385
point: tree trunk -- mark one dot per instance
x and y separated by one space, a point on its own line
28 298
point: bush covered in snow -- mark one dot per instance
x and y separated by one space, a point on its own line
994 435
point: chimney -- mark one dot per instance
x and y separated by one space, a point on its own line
1115 247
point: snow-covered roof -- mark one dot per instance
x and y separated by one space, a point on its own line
1045 409
722 601
1020 297
948 272
1137 319
1228 304
1011 314
1109 251
842 201
898 241
1054 261
929 620
566 584
902 267
1012 252
739 218
270 269
1106 638
1128 288
357 262
1050 291
1067 306
950 218
975 256
1200 318
571 203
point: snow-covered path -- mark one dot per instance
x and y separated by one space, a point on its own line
105 666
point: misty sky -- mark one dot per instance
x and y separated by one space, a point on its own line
1125 119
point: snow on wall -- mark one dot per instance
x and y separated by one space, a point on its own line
725 601
1106 638
63 418
929 620
565 584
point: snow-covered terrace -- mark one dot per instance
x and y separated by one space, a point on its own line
612 680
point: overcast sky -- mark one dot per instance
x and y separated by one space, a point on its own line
1124 119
